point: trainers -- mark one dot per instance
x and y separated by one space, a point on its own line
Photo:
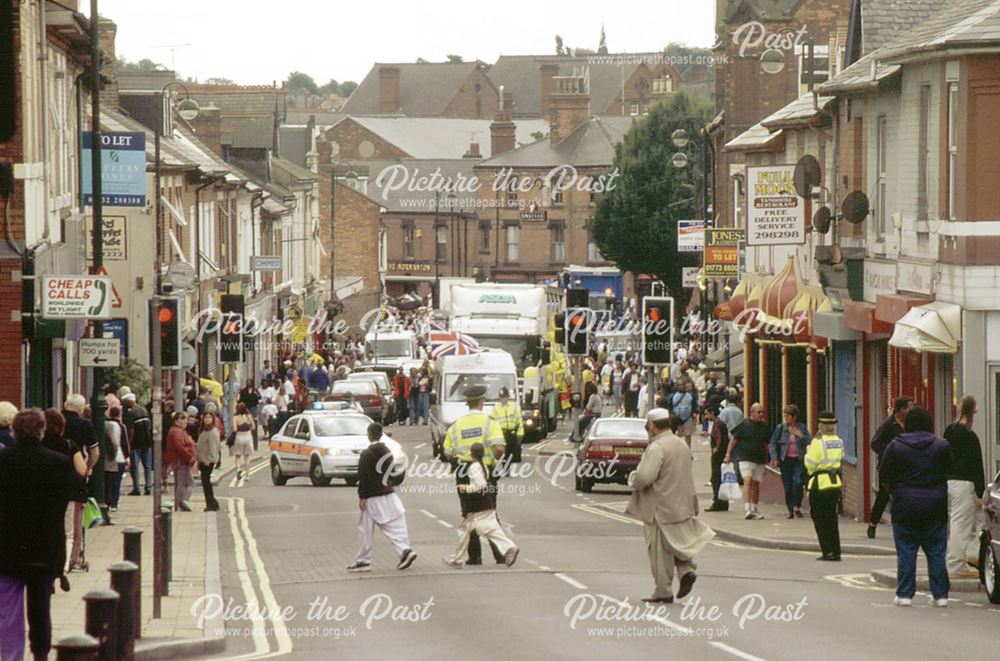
406 559
902 601
748 515
756 516
360 567
871 531
939 603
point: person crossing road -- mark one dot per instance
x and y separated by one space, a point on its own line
508 415
475 427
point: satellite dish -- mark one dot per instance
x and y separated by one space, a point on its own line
807 175
821 220
855 207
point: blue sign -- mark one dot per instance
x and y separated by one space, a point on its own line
118 329
123 168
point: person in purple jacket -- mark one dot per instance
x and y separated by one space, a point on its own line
915 467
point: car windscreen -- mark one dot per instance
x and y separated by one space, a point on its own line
391 348
354 387
341 425
455 385
616 428
374 377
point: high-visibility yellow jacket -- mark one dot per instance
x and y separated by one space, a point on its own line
473 427
508 417
823 459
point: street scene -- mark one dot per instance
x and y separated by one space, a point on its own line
666 332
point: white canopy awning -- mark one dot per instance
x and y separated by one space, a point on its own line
932 328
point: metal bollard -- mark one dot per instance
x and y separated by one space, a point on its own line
79 647
133 553
102 621
124 577
168 570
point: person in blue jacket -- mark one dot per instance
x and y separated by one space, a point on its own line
789 444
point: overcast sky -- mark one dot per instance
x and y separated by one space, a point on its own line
257 41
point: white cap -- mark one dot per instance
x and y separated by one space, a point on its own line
128 397
657 415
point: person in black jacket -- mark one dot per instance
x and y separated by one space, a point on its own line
890 428
379 504
35 486
966 484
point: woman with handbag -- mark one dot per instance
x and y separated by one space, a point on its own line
208 454
180 455
243 425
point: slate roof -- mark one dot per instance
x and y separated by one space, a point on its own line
294 170
885 21
425 89
755 137
797 113
144 81
251 132
236 100
382 189
590 144
443 137
762 9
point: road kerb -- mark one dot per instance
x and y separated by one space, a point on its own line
791 545
887 578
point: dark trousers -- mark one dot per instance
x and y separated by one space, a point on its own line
792 476
932 537
631 403
878 507
113 485
402 410
720 505
823 509
144 456
205 470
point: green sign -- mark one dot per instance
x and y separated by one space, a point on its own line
499 299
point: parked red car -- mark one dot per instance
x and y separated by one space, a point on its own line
611 449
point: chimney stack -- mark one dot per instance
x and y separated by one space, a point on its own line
549 72
388 90
502 130
473 151
208 128
570 106
107 31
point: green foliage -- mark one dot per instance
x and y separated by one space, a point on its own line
635 224
684 57
133 374
142 65
455 59
301 83
219 81
560 48
539 135
347 88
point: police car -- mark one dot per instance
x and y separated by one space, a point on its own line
324 443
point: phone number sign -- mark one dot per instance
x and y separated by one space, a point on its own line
776 215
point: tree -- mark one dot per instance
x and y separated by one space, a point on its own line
133 374
347 88
300 83
142 65
635 223
455 59
332 87
560 48
219 81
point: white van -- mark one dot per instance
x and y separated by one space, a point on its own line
453 374
392 347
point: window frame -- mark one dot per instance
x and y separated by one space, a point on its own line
880 226
441 242
952 110
409 239
557 242
512 251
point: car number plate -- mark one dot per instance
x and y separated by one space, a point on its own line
629 451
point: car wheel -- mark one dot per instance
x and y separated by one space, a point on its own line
278 478
988 563
316 474
586 484
351 481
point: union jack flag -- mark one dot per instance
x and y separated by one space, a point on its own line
451 343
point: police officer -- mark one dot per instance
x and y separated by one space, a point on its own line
508 415
823 459
474 427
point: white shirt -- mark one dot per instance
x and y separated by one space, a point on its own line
268 393
289 388
643 403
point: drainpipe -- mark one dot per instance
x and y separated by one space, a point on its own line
43 97
256 202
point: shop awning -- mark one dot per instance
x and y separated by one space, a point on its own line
932 328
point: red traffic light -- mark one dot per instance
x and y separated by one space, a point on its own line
654 314
166 315
576 320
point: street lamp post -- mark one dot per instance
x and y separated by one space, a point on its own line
333 219
188 109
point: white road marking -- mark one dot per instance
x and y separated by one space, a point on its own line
609 515
433 516
417 447
735 652
566 579
260 643
661 620
264 583
445 524
544 568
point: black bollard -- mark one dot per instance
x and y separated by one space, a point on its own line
102 621
168 570
133 553
79 647
123 581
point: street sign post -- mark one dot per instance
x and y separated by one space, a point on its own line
76 297
100 352
265 262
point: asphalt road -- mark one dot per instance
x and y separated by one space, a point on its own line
574 593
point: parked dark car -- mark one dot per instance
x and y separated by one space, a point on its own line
989 547
610 450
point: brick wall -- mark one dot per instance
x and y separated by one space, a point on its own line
356 245
348 135
473 103
11 386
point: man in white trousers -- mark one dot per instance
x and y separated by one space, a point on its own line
379 504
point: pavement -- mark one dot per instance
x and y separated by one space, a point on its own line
196 571
775 531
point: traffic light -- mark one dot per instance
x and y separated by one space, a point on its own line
577 297
577 331
231 332
657 330
169 315
560 329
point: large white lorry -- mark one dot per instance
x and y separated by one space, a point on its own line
511 317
